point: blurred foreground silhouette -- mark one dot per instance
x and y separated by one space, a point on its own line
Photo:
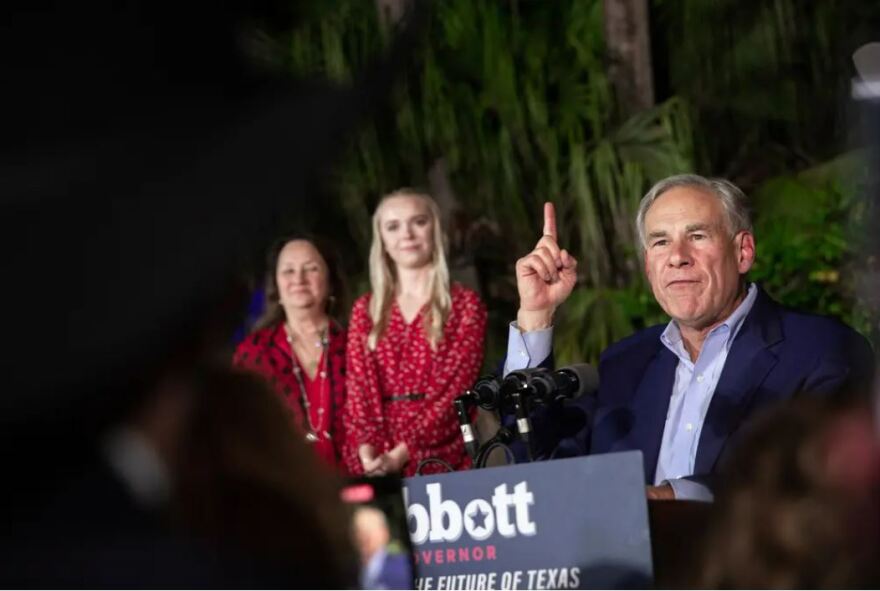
145 165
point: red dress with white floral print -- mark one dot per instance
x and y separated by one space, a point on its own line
380 408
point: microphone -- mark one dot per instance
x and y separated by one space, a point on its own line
519 390
462 405
487 393
523 422
547 386
514 391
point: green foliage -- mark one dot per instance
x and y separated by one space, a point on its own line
514 98
811 231
768 80
593 318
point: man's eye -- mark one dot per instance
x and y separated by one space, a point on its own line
698 236
661 242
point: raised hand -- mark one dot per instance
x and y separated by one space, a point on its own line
544 277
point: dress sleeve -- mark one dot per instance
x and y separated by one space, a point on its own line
456 369
362 413
250 355
242 354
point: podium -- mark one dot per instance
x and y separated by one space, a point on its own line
578 523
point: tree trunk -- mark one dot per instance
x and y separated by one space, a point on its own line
627 38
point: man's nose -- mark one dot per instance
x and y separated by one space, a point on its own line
680 254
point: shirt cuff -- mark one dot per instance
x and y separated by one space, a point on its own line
689 490
527 349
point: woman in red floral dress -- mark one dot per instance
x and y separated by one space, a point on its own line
415 343
299 347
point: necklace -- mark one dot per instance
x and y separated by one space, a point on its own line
313 432
309 346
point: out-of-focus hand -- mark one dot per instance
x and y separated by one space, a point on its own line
664 492
544 277
398 457
373 465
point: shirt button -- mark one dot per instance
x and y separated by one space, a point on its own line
700 378
689 427
523 353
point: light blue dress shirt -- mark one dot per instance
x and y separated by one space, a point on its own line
691 393
527 349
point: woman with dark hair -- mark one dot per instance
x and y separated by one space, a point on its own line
298 346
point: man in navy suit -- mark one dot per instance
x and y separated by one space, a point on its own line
682 392
380 568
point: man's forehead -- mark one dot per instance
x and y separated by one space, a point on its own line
685 206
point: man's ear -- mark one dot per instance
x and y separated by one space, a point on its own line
745 253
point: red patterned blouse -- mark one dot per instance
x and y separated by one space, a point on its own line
403 391
267 352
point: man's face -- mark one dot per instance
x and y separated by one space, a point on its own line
371 532
692 262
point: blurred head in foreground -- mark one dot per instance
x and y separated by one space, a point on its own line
371 532
803 506
247 480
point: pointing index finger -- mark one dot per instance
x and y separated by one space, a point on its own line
550 220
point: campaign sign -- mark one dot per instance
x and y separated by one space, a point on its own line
578 523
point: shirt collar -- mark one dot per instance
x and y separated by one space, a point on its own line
671 336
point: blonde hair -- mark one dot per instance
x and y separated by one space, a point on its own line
383 276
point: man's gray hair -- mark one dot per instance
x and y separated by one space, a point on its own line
735 203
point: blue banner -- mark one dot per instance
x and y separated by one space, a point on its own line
578 523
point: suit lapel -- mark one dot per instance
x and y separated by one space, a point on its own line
649 407
748 363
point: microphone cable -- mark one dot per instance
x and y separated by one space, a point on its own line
429 461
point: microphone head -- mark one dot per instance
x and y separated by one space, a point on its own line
526 373
585 375
488 392
523 378
535 382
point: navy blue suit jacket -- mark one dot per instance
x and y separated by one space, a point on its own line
777 354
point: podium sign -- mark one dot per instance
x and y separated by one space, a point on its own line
578 523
